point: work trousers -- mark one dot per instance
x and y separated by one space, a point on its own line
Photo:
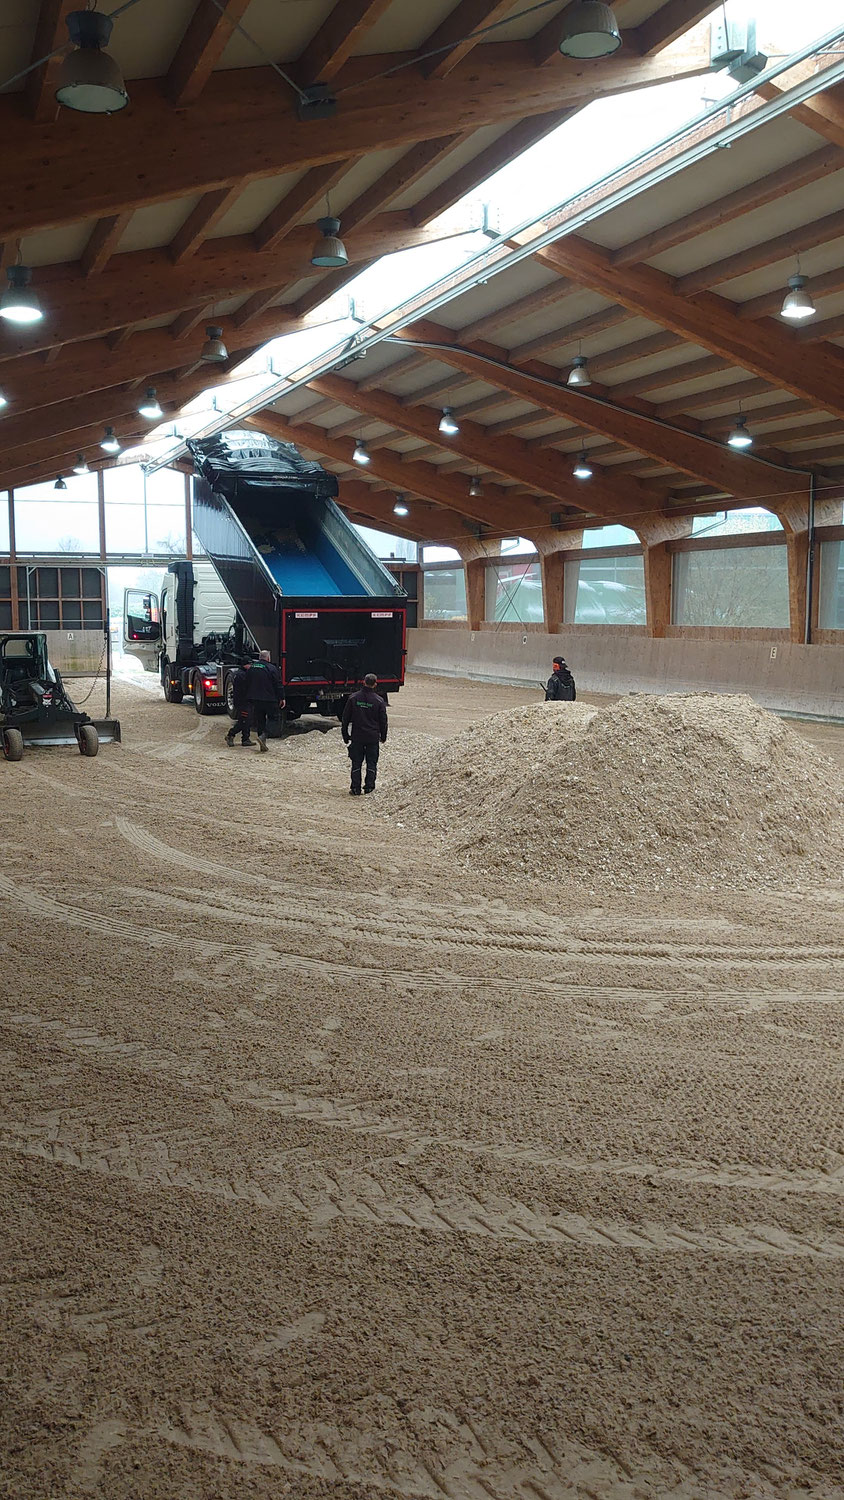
242 724
260 714
360 751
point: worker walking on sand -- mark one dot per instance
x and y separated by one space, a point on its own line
241 705
265 693
364 728
560 686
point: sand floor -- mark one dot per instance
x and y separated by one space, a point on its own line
330 1169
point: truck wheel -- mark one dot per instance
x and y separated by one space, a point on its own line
230 708
173 690
200 702
89 740
12 744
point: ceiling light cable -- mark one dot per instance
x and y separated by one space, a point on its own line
236 26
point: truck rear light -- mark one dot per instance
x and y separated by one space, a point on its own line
210 682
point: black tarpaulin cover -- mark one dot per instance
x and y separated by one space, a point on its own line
244 457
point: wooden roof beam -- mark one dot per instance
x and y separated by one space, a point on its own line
669 24
784 247
638 429
105 238
556 338
408 475
50 32
209 212
203 44
764 350
508 456
744 200
823 113
337 38
246 130
452 39
144 283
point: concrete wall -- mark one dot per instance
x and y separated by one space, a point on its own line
798 679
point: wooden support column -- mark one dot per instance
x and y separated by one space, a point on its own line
553 549
474 552
797 543
655 536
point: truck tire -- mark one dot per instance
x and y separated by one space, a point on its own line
230 708
12 744
200 702
173 690
89 740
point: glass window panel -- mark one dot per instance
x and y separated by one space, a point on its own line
439 554
516 544
514 593
610 536
736 522
53 521
92 583
831 610
605 591
744 587
444 594
5 614
385 545
145 518
5 582
5 541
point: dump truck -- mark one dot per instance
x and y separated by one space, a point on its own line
286 573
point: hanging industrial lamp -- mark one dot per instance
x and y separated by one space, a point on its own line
81 466
798 302
109 442
4 401
361 454
19 303
89 79
448 426
579 372
59 484
590 30
476 489
400 508
214 351
329 252
740 437
582 468
150 407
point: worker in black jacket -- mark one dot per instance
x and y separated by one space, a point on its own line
364 727
241 705
265 692
560 685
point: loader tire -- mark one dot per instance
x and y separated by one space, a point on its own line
89 740
12 744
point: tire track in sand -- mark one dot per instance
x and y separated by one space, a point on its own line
365 1199
444 1455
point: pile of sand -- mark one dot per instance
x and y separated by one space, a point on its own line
691 789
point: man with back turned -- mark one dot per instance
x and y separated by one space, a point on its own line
265 693
364 727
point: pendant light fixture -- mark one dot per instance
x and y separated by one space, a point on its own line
150 406
214 351
81 466
361 454
590 30
109 443
448 426
579 372
740 437
798 302
400 508
329 252
59 484
19 303
476 489
4 401
89 79
582 468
